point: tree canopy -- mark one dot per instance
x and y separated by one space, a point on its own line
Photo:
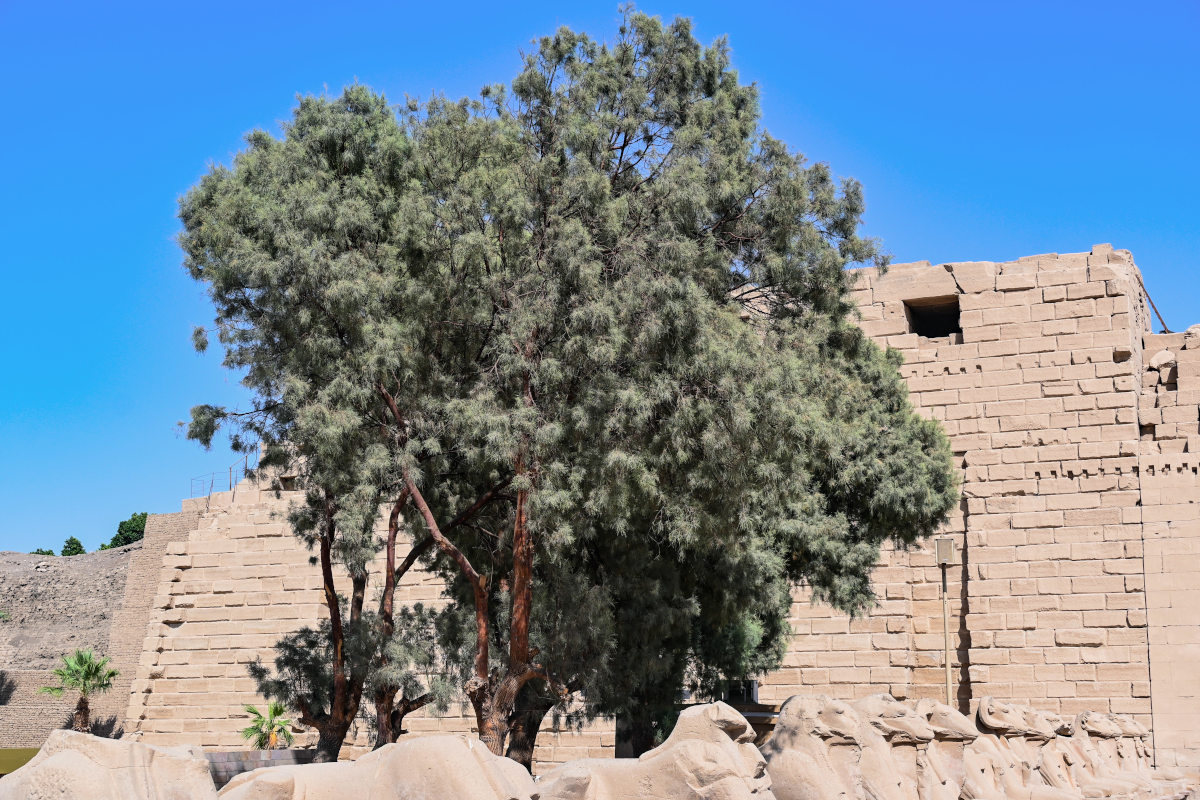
589 340
128 531
72 547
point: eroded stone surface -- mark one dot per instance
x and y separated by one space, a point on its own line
77 766
710 755
424 768
800 756
881 749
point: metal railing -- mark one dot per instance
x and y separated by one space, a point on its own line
226 480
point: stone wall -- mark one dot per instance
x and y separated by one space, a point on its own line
1169 466
1080 531
1078 534
229 588
97 600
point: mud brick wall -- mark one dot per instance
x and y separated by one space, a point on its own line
54 606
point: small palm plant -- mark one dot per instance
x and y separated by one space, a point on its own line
86 674
265 732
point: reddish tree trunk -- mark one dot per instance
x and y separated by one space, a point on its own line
393 722
347 689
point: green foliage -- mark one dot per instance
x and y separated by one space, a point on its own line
128 531
417 668
42 551
72 547
418 663
606 296
302 677
266 732
82 672
5 616
199 339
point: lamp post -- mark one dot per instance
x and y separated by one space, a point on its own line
944 550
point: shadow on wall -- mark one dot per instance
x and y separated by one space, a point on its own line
965 691
106 728
7 687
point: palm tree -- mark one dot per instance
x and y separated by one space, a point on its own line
83 673
266 732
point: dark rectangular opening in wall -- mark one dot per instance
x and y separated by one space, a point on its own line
933 317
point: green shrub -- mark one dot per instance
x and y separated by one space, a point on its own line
128 531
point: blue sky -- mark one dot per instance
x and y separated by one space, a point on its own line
981 131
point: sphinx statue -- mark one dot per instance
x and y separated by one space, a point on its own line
940 766
1097 737
426 766
73 764
799 753
1053 763
1006 755
891 767
710 755
1130 757
1073 762
1134 753
825 749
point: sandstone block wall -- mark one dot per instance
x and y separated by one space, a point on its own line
1078 554
1078 533
229 588
97 600
1169 466
1078 435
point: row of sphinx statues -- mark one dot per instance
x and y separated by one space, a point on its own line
876 748
880 748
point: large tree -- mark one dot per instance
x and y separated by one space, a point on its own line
281 238
590 340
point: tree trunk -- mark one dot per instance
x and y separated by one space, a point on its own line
641 732
391 714
82 721
494 732
525 723
346 692
385 698
496 702
329 742
384 733
403 710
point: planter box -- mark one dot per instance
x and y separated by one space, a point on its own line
224 766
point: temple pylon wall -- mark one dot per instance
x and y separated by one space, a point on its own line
1078 587
1079 532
